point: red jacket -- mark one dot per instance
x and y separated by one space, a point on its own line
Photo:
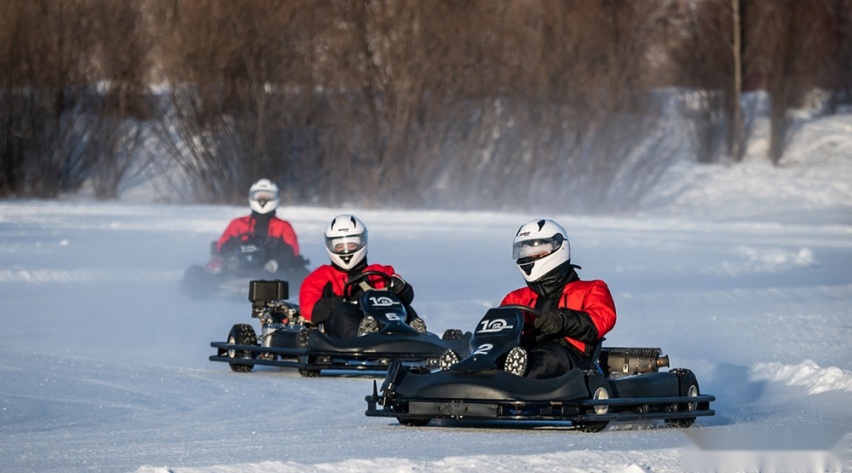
314 283
591 297
243 229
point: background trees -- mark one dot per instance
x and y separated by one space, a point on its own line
472 104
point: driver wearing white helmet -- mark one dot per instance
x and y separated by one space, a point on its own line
575 314
262 226
321 298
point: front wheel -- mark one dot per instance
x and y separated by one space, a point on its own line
309 373
687 387
241 334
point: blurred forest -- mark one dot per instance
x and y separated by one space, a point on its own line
458 104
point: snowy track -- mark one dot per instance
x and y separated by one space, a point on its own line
105 364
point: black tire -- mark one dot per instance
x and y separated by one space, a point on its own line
197 283
687 387
309 373
412 422
241 334
452 334
599 389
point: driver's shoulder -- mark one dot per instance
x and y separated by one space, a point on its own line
325 271
518 296
382 268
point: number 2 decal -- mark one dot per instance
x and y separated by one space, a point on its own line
483 349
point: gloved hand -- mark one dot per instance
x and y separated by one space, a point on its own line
402 289
328 303
548 324
271 266
329 298
328 290
397 284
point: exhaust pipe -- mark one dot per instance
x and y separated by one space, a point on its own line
627 361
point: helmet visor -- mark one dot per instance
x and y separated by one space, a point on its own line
536 248
345 244
263 195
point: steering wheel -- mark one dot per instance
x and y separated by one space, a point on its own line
527 308
525 335
355 282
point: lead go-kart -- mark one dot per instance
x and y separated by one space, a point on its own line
624 384
246 262
287 340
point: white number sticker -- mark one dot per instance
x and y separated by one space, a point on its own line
494 325
483 349
382 301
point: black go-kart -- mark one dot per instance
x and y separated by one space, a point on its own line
625 384
287 340
246 262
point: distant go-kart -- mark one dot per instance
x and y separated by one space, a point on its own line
246 262
625 384
287 340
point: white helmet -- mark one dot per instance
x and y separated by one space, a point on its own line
539 247
263 196
346 241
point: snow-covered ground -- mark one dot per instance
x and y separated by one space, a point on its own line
740 273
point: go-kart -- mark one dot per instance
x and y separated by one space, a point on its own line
231 272
287 340
624 384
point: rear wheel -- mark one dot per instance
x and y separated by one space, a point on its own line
600 391
411 422
687 387
309 373
241 334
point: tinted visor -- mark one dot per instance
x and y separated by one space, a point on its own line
536 248
263 195
345 244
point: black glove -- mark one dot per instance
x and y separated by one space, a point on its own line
396 284
402 289
548 325
327 305
567 323
229 246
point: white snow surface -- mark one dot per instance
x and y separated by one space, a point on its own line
740 273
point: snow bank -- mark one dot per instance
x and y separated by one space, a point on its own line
806 374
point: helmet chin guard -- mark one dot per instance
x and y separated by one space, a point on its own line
540 246
346 241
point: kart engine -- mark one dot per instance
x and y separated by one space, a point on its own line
263 293
626 361
269 306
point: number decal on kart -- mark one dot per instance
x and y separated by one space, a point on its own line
494 325
483 349
382 301
393 317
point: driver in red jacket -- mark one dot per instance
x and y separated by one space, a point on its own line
262 226
575 314
321 298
